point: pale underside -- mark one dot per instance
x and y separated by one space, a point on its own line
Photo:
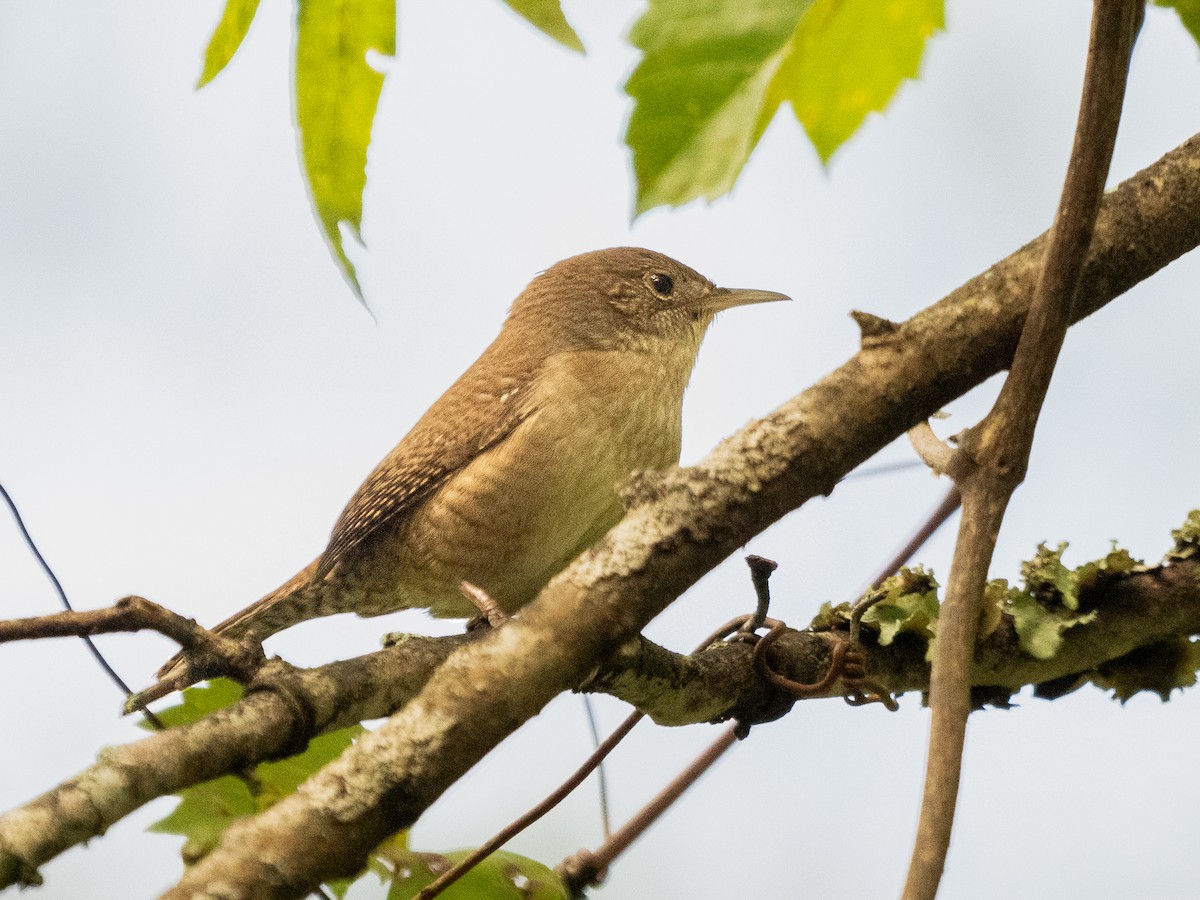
522 510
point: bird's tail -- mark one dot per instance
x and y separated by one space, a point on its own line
288 604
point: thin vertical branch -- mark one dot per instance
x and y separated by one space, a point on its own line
993 456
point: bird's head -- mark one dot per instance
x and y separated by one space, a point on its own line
623 298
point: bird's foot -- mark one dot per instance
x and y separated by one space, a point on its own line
490 614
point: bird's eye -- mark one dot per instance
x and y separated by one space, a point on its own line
661 283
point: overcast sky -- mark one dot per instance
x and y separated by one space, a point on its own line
189 394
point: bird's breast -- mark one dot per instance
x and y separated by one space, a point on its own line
520 511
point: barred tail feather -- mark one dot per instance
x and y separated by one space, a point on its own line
288 604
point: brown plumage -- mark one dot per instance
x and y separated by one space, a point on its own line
514 470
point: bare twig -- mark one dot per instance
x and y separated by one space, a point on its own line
552 800
993 456
206 653
589 711
942 512
588 867
934 452
216 655
883 469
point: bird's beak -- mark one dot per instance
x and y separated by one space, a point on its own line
724 298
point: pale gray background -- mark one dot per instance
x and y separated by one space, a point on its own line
189 395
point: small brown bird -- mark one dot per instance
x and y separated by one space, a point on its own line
514 470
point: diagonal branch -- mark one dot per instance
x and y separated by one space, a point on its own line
680 525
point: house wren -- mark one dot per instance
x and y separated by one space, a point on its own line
514 470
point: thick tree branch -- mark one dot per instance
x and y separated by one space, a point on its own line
682 523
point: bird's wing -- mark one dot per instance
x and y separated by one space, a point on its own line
479 411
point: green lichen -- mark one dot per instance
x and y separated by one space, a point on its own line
1187 539
1048 604
1051 600
1048 581
1160 667
907 604
1040 630
831 618
1117 563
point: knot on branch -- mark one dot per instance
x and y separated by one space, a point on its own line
280 678
873 329
580 871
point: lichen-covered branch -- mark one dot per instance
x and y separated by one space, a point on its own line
1060 629
1124 614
